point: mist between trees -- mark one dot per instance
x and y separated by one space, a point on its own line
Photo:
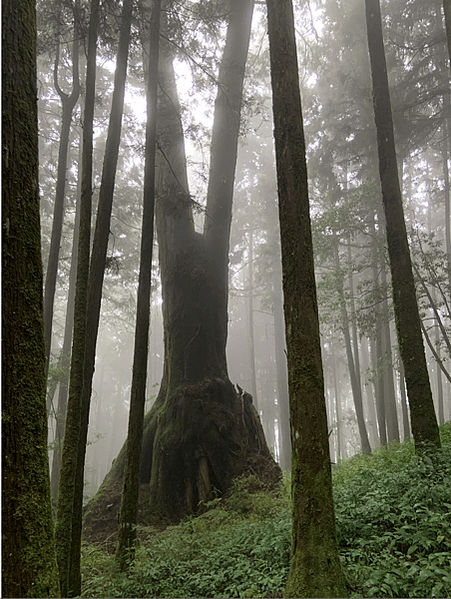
217 341
360 356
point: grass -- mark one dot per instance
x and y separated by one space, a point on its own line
393 513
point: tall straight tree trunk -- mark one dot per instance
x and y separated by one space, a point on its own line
66 494
315 566
250 320
64 359
447 11
29 566
354 374
68 103
424 423
128 517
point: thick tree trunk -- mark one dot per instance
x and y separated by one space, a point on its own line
200 433
28 549
424 423
315 566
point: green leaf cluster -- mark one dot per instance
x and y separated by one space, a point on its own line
393 515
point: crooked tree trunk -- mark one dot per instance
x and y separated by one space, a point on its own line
68 103
200 433
408 325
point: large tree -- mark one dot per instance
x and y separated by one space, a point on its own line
29 561
315 565
423 420
201 432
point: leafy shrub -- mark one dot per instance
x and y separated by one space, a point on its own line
394 524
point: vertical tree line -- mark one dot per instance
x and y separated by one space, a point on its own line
28 548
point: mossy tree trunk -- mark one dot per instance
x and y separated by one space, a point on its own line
128 517
315 566
201 432
28 548
408 325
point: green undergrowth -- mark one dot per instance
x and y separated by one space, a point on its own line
393 513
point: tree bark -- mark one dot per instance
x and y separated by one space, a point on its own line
315 566
29 566
128 517
424 424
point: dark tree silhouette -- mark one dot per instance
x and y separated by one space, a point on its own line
128 517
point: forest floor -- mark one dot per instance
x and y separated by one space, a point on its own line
393 513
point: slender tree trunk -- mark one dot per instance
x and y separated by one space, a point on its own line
371 403
29 566
250 320
354 375
128 517
63 528
391 414
337 409
447 11
423 420
95 282
68 103
315 566
64 360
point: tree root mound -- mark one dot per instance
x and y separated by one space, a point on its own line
197 439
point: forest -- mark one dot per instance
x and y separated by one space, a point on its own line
226 298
